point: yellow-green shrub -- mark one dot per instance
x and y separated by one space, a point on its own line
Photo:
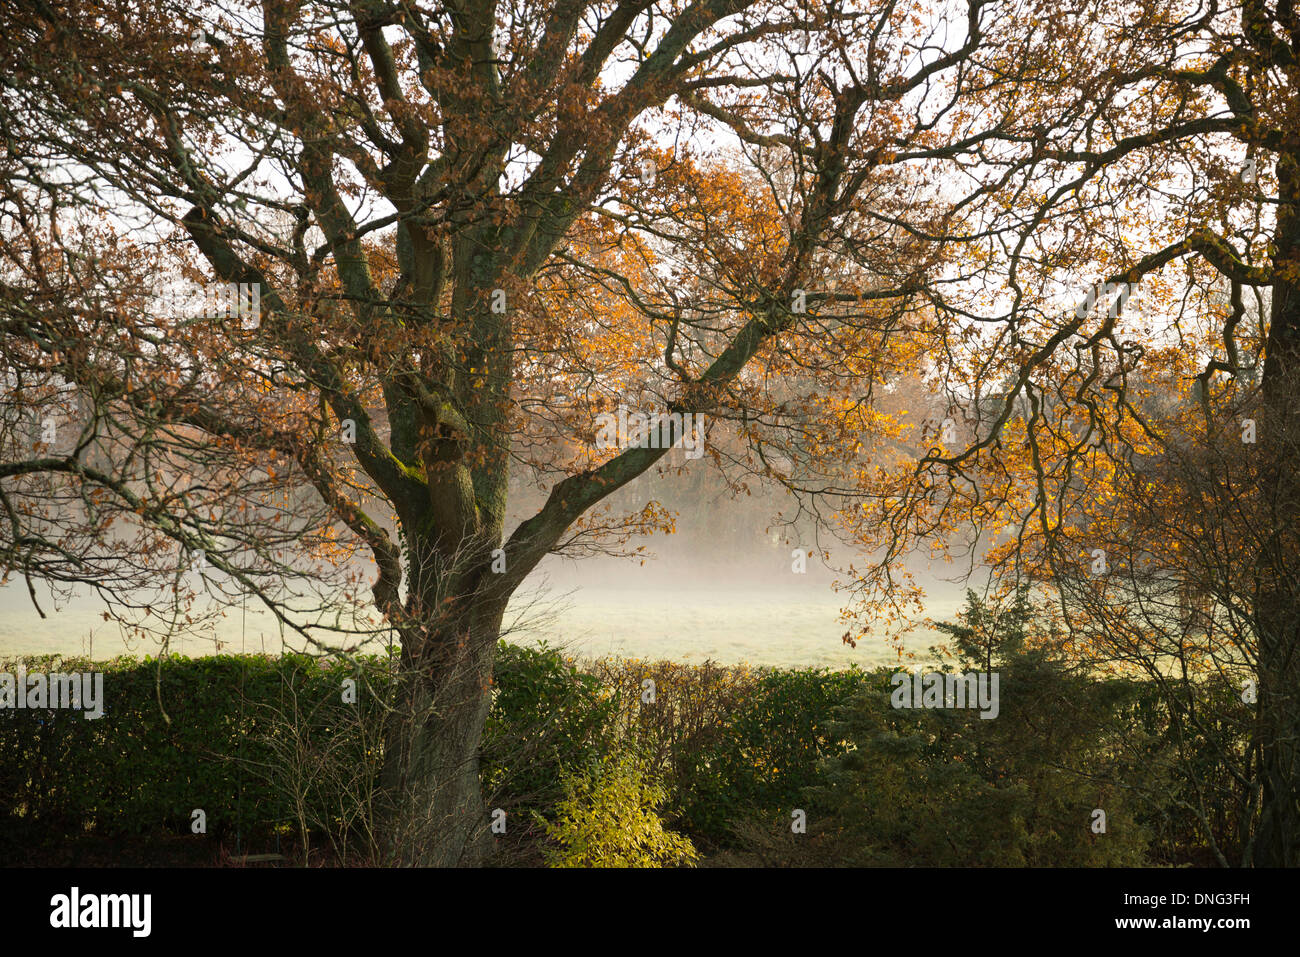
609 818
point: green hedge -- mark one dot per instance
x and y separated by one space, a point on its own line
730 746
726 739
133 771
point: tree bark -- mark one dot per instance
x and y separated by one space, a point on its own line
1277 603
433 809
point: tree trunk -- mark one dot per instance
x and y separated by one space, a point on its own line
1277 841
1277 603
432 809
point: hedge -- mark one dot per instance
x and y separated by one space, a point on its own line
722 739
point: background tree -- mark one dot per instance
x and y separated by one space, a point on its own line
1142 461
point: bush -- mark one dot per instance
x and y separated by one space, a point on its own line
608 818
945 787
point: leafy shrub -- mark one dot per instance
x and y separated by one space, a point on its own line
608 818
